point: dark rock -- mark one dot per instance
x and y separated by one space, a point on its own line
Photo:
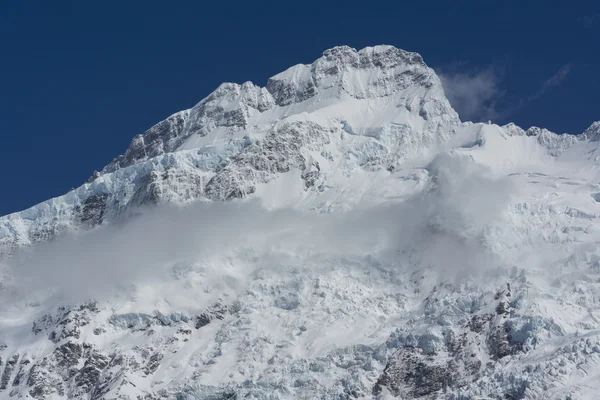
21 374
42 383
202 320
68 355
8 370
153 363
412 375
311 175
477 322
42 324
88 377
501 308
92 210
279 152
217 311
286 93
157 140
99 331
499 343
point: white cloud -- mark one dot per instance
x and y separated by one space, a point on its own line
556 79
438 228
473 94
478 94
549 84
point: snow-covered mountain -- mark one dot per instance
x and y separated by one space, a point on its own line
346 115
337 234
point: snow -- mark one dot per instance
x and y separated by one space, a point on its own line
371 239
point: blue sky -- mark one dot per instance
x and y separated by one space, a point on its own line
80 79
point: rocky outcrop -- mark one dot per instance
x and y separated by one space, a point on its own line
161 138
230 107
217 311
9 368
383 70
91 212
282 150
433 366
412 375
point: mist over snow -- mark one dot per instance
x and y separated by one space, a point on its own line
438 228
339 233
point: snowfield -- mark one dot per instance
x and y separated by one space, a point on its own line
337 234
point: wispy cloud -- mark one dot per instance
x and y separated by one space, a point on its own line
549 84
439 228
557 78
477 94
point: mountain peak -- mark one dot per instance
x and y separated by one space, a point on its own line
380 55
368 73
341 72
424 283
372 108
593 132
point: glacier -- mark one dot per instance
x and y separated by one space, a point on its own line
337 234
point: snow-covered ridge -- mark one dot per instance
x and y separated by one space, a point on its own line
377 109
593 132
367 109
372 72
392 252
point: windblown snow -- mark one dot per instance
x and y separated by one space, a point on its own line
336 234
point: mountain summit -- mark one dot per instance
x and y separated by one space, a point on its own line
341 74
368 110
336 234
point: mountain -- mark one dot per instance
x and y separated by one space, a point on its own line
337 234
362 111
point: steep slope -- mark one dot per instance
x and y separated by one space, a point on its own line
372 246
348 112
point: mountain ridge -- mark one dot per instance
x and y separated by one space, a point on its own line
340 235
228 112
223 121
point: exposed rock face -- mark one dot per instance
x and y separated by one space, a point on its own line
413 376
8 370
384 69
281 151
91 213
154 142
462 360
230 106
217 312
78 369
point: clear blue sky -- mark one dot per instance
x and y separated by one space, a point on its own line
80 79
